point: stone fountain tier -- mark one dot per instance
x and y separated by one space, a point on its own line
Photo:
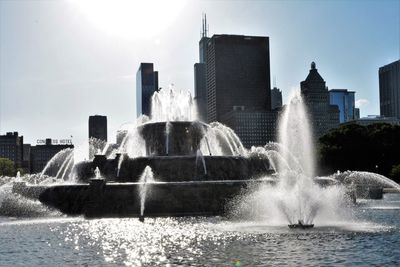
176 168
100 199
183 137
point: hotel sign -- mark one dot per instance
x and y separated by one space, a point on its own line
55 141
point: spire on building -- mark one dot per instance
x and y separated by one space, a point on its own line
204 26
313 65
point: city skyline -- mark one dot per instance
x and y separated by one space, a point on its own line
58 67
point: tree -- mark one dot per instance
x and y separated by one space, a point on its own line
372 148
6 167
395 173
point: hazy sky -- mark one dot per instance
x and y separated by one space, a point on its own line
61 61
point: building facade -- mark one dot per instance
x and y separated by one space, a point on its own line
345 100
146 85
254 128
26 158
98 127
11 147
200 90
41 154
389 89
237 74
323 115
276 98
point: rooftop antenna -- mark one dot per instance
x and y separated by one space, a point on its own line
204 25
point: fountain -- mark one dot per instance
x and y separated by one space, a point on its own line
201 169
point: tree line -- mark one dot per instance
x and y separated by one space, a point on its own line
374 148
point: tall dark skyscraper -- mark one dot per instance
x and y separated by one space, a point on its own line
200 89
146 85
238 74
323 116
389 89
232 85
98 127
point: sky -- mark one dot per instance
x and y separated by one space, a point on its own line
62 61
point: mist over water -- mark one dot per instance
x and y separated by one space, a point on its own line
295 195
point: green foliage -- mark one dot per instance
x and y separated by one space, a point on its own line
6 167
373 148
395 173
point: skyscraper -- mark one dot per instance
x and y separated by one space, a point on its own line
200 89
276 98
146 85
323 116
389 89
344 99
237 88
237 74
98 127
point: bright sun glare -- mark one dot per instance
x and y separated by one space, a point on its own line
130 18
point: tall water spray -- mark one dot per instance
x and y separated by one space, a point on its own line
296 170
295 137
146 178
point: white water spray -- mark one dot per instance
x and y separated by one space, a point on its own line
145 181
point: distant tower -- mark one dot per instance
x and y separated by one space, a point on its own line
276 96
345 100
200 73
146 85
389 89
316 96
98 127
356 113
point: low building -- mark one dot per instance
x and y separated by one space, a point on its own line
41 154
11 147
372 119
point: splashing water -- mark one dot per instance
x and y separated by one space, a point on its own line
172 105
168 127
56 162
97 173
200 158
295 196
145 181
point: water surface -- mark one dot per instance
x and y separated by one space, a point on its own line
372 238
